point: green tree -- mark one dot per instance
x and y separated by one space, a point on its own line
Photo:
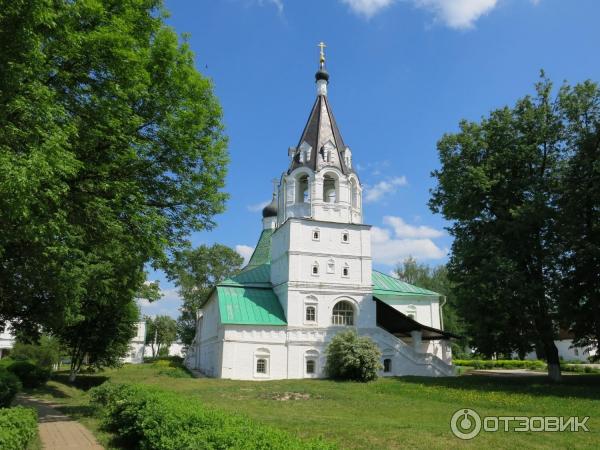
498 184
579 222
161 332
436 279
111 152
46 353
196 272
352 357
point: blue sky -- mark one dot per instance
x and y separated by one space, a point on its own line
403 73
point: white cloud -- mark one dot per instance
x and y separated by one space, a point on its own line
379 190
258 206
367 8
407 240
458 14
404 230
245 252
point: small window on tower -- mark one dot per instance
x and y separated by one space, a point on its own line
346 271
315 269
345 237
316 235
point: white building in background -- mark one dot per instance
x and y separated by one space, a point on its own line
7 341
136 346
311 277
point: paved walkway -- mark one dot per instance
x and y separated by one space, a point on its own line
58 431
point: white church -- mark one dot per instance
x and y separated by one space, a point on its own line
311 276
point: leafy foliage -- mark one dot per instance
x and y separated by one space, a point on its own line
498 184
45 353
352 357
9 386
150 418
112 151
30 374
161 332
18 426
500 363
195 272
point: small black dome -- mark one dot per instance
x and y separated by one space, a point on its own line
271 209
322 74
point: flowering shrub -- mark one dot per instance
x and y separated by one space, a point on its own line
352 357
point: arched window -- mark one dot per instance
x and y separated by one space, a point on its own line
310 362
387 365
330 189
302 192
343 313
311 313
315 269
354 193
261 362
316 234
346 270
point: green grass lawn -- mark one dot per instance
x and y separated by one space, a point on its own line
408 412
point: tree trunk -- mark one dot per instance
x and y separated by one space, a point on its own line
553 360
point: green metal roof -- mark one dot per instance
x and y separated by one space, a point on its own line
249 306
262 251
386 285
259 276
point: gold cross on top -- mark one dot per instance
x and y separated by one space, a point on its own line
322 47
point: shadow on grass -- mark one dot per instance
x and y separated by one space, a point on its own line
578 386
48 390
83 382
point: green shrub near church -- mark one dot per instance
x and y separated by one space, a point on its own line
352 357
30 374
18 426
501 363
148 418
9 386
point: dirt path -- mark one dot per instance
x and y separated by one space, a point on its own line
58 431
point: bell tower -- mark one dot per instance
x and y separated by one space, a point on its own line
321 250
320 182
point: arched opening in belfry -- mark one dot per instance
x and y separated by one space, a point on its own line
302 192
354 193
330 184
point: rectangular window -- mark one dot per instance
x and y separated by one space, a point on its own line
261 366
345 271
310 366
345 237
387 365
316 235
311 314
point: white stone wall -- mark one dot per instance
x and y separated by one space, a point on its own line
287 349
567 352
425 309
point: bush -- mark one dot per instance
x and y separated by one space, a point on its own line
9 386
352 357
578 368
18 426
30 374
149 418
501 363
